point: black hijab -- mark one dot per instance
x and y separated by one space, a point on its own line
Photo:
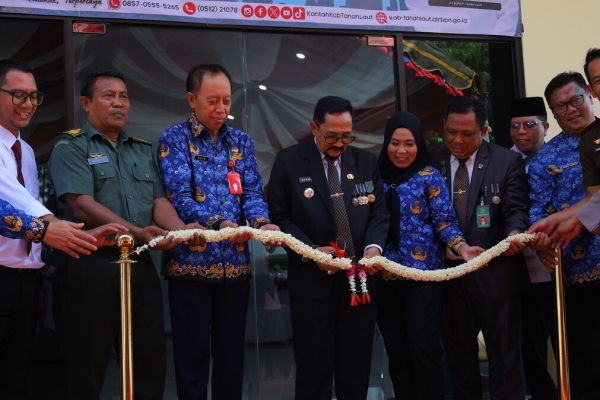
394 176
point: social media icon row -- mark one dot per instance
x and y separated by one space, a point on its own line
274 12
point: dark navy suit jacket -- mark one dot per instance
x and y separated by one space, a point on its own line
504 277
310 219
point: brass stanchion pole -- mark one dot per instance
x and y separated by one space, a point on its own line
125 242
563 359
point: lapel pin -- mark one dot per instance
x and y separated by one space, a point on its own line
480 166
350 176
308 193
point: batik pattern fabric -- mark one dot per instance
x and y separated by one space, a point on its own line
16 224
555 177
428 223
194 170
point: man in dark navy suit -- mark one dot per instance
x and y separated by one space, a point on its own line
331 337
488 299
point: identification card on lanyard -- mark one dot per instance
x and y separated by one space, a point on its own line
235 183
483 211
483 217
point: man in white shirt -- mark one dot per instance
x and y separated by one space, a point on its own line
20 260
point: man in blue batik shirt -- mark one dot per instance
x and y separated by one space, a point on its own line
555 177
211 176
589 151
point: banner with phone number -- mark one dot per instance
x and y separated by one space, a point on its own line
499 17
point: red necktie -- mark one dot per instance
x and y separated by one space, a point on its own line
16 148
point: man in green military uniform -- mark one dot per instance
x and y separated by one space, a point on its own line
102 175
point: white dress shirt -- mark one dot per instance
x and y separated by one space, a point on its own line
13 252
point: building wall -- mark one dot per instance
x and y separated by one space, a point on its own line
556 37
557 34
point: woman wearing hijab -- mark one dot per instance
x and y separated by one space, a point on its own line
422 223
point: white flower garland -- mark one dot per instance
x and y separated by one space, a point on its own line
345 263
449 273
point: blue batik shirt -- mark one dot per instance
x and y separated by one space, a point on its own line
427 223
16 224
194 170
555 177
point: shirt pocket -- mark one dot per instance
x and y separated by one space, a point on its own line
105 184
144 184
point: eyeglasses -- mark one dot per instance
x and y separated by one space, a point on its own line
527 126
335 139
575 101
19 97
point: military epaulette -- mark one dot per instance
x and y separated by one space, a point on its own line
142 141
74 132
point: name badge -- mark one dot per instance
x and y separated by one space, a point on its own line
571 165
235 184
98 160
304 179
201 158
483 217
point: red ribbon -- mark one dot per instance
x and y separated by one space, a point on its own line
340 252
365 298
355 299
